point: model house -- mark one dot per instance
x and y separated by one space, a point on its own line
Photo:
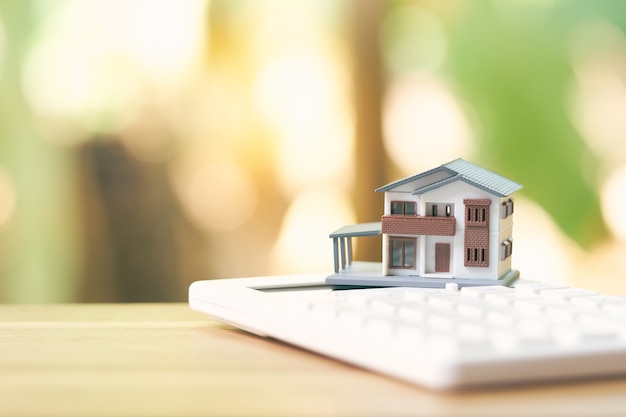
453 223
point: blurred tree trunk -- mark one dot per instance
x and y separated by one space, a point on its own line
371 160
134 229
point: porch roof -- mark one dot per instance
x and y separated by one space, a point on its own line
356 230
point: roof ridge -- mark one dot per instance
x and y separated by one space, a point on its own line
459 168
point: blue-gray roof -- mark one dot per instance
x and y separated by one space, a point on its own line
459 169
356 230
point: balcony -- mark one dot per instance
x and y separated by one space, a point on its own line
419 225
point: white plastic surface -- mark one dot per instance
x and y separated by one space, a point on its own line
438 338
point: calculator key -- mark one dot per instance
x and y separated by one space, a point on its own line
441 301
501 317
481 291
412 313
421 294
471 308
379 328
527 288
440 322
383 307
565 294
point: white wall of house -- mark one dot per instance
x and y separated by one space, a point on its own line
400 196
452 194
455 193
505 232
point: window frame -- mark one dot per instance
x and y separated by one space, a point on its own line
506 249
403 251
404 205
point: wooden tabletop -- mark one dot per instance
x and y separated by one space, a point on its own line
166 360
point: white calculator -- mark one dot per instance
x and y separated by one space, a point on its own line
438 338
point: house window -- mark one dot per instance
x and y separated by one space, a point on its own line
439 209
402 253
477 215
506 249
476 257
506 209
403 208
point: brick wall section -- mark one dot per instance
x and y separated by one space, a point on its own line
419 225
477 201
476 233
477 238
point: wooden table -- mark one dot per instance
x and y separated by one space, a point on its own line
166 360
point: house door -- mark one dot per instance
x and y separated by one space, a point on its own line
442 257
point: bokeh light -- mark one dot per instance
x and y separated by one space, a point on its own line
7 198
217 193
613 195
212 139
413 39
95 61
167 44
303 96
423 122
542 252
303 243
2 44
598 51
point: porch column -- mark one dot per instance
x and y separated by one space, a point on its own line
336 253
349 251
343 253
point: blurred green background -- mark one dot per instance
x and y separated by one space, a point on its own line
145 144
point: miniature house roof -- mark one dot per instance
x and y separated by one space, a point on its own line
457 170
356 230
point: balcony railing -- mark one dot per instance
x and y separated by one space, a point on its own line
419 225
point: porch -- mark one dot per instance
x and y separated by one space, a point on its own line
342 241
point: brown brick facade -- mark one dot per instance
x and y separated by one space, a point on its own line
476 243
477 202
476 247
419 225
